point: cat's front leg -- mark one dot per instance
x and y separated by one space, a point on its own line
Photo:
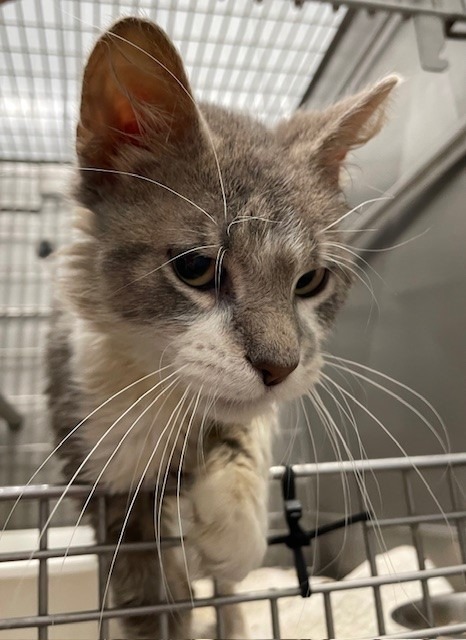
229 505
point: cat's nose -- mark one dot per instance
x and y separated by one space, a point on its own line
273 373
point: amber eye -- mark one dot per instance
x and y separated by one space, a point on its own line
312 283
195 270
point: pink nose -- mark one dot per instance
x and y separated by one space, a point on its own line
273 373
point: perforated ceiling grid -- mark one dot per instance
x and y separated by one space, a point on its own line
239 53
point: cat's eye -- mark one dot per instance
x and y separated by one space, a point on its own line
195 270
312 283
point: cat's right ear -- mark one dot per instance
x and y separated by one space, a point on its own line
135 92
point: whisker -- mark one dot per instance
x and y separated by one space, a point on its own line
94 448
446 446
363 492
344 247
352 420
330 427
403 451
240 219
286 457
111 457
372 200
218 270
68 436
200 437
344 230
178 255
398 245
82 464
152 181
348 265
400 399
198 111
130 508
160 490
178 489
316 460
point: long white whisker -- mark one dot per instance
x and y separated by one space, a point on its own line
160 490
400 399
348 265
240 219
199 112
68 436
398 245
289 448
218 270
200 448
403 451
352 420
154 182
339 245
366 498
113 454
330 426
94 448
353 210
164 264
351 266
83 463
130 508
178 490
445 445
359 477
316 460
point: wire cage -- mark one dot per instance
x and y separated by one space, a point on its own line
391 596
260 57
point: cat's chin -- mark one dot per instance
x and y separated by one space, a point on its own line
231 412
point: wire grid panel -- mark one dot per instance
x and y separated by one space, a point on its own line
238 53
327 611
33 211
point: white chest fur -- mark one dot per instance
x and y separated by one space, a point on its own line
138 420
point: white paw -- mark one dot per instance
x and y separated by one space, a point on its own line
230 523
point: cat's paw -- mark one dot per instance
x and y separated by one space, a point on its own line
229 535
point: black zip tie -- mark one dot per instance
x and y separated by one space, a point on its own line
297 538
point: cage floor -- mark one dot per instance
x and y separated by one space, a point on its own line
302 618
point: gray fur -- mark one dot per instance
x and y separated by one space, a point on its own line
117 300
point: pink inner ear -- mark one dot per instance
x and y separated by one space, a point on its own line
339 155
125 116
131 128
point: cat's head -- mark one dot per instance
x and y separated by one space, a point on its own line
207 234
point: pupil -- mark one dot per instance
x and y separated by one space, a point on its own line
193 266
305 279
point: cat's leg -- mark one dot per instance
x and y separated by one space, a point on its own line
136 576
229 510
233 622
229 499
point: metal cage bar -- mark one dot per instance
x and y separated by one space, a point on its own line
410 520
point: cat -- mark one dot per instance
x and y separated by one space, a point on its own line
194 299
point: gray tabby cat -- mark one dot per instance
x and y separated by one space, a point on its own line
194 299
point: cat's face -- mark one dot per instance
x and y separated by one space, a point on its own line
207 246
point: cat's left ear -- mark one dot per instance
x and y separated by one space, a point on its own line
135 92
326 137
